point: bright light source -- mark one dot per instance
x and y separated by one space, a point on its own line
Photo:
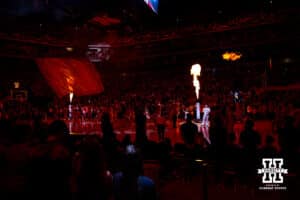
195 72
130 149
69 49
16 85
71 95
231 56
287 60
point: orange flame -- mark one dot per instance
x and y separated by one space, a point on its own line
232 56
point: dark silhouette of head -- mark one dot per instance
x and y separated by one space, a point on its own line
5 129
269 140
92 154
231 138
126 140
132 165
289 121
92 182
105 117
58 130
106 125
249 124
21 133
189 117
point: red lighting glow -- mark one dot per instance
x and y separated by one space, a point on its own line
66 75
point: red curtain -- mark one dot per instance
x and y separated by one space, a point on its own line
67 75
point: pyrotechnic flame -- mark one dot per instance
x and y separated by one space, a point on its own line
196 84
71 96
232 56
196 71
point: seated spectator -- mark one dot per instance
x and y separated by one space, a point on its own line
93 180
232 153
129 183
165 159
50 170
250 140
161 126
269 151
14 156
288 137
289 142
126 141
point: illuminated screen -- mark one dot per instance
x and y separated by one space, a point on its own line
153 4
98 52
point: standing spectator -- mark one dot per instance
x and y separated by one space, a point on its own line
140 127
189 130
250 140
50 170
174 117
218 134
107 128
93 180
161 126
289 142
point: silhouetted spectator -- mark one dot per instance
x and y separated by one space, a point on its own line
93 179
269 151
232 153
126 141
14 156
110 142
218 134
108 134
165 148
161 126
189 131
140 127
174 118
50 170
250 140
289 142
130 184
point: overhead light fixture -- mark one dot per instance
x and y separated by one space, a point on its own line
69 49
287 60
231 56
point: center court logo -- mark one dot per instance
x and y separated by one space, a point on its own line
272 172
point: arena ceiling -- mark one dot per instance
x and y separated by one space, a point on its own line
185 29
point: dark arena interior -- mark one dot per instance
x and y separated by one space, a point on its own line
149 99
